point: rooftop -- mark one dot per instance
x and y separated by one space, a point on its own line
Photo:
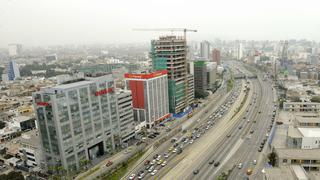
307 154
274 173
310 132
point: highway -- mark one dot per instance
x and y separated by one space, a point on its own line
233 137
243 148
214 102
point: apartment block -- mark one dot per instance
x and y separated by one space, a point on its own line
301 106
125 108
77 119
170 53
150 97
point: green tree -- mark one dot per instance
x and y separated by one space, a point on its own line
2 124
315 99
200 94
272 158
13 175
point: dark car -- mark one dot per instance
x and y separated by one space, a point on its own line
196 171
211 162
147 162
240 127
216 164
155 156
156 133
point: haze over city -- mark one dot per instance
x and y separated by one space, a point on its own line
43 22
159 89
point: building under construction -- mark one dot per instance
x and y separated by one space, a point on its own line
170 52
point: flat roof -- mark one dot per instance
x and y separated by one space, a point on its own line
310 132
294 132
305 154
308 119
276 172
72 85
299 172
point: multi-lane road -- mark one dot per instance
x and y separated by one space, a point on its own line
226 137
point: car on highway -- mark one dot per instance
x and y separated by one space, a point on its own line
249 171
164 163
196 171
211 162
154 172
175 150
229 135
151 169
109 163
252 131
153 162
132 176
240 127
160 162
155 156
191 141
239 165
166 155
141 175
254 162
216 164
148 167
147 162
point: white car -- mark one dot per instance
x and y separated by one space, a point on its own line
154 172
240 165
191 141
254 162
164 163
175 150
132 176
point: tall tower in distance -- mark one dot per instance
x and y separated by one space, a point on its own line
239 51
13 71
14 49
205 50
216 56
169 53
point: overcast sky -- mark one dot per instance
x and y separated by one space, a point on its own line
54 22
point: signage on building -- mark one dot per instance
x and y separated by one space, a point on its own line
146 76
42 104
104 91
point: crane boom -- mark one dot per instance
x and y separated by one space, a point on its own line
184 30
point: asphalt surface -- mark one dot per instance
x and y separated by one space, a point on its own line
211 104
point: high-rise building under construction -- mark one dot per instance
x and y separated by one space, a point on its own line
169 53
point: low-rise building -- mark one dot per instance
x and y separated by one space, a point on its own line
125 108
301 106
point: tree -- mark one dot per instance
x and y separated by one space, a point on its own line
272 158
315 99
200 94
13 175
2 124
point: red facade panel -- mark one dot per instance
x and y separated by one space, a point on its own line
137 89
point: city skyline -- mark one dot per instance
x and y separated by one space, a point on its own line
37 23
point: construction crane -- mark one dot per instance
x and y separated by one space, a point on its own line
184 30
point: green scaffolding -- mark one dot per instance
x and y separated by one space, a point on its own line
176 94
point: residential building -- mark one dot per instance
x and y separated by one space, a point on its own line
14 49
301 106
303 138
205 50
77 119
169 53
211 69
125 108
149 97
200 76
216 56
191 88
239 51
29 150
13 71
